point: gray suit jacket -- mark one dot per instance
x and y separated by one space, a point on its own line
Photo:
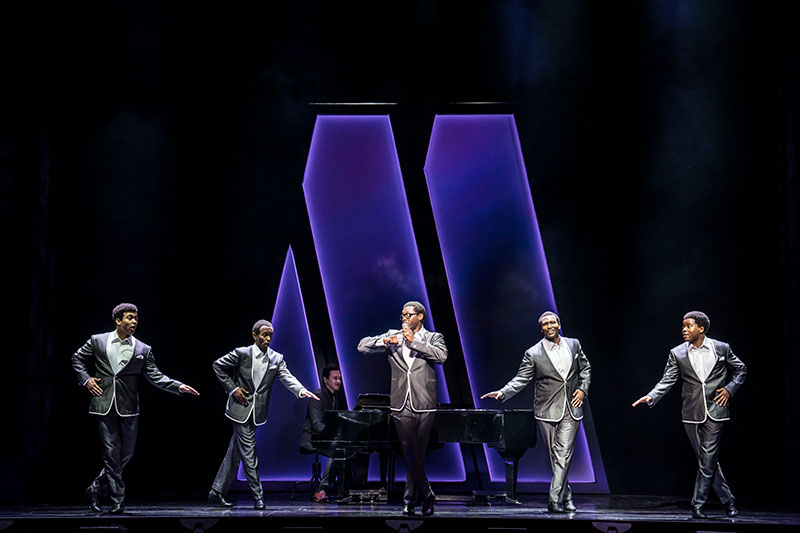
418 383
551 393
698 396
120 390
236 370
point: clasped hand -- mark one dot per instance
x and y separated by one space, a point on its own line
406 334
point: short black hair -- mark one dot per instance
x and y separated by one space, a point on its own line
418 307
548 313
330 367
700 318
260 324
120 310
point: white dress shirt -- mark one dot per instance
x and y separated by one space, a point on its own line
702 358
119 351
559 355
406 350
260 365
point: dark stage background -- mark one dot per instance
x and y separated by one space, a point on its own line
154 152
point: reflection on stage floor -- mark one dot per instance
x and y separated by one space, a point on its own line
595 513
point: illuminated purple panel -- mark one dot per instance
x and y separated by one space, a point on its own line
278 441
367 252
495 263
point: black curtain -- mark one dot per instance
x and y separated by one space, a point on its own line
155 153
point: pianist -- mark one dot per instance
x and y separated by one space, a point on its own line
412 352
331 398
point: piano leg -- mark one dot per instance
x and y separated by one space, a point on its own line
383 460
386 459
340 471
391 472
512 471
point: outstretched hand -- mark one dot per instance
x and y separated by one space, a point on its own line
496 395
305 394
186 389
643 399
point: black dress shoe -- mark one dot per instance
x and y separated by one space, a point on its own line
117 508
555 507
258 505
427 504
216 498
569 506
408 510
698 512
730 509
91 494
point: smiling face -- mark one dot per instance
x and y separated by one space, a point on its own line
126 325
333 381
263 337
550 327
692 333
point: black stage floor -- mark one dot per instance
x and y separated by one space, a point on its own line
453 513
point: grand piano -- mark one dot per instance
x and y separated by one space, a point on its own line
370 429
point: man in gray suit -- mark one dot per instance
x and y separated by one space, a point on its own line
711 375
561 374
412 352
247 375
109 366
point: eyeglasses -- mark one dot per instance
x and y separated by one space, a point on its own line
407 315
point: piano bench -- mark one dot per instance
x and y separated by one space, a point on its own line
316 474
